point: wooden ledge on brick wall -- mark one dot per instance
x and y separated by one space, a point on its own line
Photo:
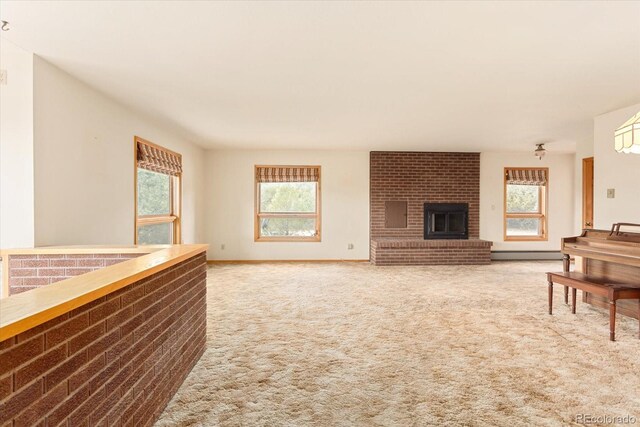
27 310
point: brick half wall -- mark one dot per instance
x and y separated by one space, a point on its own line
28 272
115 361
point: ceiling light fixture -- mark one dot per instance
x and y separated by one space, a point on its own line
5 26
540 151
627 136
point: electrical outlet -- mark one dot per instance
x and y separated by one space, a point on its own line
611 193
222 246
3 77
350 246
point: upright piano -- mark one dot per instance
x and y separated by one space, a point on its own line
612 255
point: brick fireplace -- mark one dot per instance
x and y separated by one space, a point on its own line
402 186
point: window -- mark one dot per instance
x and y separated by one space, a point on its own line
287 203
157 194
525 203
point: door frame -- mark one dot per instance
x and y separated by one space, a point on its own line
587 193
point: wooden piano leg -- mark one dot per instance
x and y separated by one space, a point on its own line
550 297
573 300
612 320
566 265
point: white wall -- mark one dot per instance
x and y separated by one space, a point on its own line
84 164
16 148
614 170
230 205
561 198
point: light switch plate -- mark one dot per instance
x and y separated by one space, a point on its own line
611 193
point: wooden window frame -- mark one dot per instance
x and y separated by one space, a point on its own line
175 202
257 214
542 214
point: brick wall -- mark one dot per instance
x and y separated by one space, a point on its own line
115 361
417 178
28 272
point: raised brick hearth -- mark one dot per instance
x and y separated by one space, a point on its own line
417 178
390 251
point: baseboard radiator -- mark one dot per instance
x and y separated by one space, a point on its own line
525 255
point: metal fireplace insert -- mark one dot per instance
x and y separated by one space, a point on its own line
446 220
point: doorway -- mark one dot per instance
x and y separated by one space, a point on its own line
587 192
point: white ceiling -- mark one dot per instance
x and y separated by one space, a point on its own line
467 76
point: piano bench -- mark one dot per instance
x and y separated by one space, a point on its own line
609 289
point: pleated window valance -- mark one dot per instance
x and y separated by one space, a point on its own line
157 159
287 174
527 176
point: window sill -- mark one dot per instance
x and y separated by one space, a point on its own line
526 239
288 239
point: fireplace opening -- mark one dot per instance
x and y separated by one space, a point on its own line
446 220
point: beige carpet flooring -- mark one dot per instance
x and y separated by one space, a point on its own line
352 344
